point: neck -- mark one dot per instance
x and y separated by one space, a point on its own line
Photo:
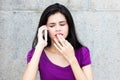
52 48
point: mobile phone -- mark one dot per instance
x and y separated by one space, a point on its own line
45 35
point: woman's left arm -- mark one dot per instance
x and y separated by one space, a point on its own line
84 73
66 49
88 72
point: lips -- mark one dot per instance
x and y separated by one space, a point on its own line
58 34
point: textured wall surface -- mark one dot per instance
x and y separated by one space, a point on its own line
97 25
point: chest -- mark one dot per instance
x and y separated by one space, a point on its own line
57 59
55 68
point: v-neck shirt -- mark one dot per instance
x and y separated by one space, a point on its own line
50 71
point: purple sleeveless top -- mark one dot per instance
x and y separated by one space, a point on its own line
51 71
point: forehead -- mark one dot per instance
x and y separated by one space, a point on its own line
57 17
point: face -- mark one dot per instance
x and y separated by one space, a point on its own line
57 25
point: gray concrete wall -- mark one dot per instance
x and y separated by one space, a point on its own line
97 24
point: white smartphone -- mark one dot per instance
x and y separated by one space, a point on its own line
45 35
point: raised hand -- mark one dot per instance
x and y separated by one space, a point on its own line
42 31
65 48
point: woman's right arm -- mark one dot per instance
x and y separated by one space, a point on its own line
32 67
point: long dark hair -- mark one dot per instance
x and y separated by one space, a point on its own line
52 9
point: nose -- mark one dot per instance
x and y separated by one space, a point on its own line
58 28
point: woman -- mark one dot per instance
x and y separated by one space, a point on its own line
56 51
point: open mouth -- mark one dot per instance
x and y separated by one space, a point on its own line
58 34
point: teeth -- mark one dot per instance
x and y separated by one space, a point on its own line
58 34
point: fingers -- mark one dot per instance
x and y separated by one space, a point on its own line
41 29
60 44
58 48
61 39
57 44
42 33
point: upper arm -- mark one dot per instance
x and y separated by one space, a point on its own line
30 54
85 58
88 71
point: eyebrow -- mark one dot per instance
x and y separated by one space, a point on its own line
51 23
62 21
59 22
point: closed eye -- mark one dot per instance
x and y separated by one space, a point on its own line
51 26
62 24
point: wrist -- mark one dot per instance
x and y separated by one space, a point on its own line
73 60
39 46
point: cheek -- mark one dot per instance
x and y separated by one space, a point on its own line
50 32
67 29
66 32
